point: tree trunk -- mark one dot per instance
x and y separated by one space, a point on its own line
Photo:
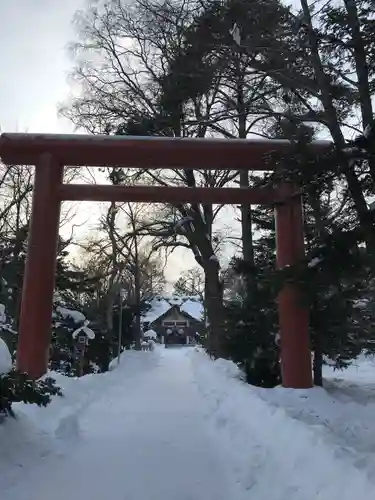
111 220
137 293
246 210
215 309
360 63
134 254
247 238
362 70
111 297
318 367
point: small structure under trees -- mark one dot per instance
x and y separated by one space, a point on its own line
176 319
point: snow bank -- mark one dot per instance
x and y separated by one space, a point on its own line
341 414
261 442
22 445
5 358
81 392
360 372
39 432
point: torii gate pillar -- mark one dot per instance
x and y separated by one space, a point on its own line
39 280
293 316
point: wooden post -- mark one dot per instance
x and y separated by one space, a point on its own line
293 317
39 279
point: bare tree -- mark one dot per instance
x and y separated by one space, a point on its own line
16 184
125 259
190 282
123 57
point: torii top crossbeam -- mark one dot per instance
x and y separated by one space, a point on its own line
146 152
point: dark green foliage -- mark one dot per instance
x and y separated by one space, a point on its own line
252 327
62 345
251 342
146 126
334 283
208 49
71 286
104 347
336 287
71 281
12 259
17 387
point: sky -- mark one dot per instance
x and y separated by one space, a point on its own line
34 63
34 67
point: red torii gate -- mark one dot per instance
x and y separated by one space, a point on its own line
50 153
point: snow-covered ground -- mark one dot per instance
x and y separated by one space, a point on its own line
342 414
174 425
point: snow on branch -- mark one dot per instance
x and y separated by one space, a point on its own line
5 358
236 34
84 328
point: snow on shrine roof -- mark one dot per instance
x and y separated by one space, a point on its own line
188 304
159 306
193 308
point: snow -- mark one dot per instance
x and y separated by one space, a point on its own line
194 308
236 34
87 331
341 414
3 317
29 138
151 334
159 306
314 262
5 358
144 422
76 316
368 130
189 304
173 424
271 453
350 150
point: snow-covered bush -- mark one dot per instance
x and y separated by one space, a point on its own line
67 323
7 331
16 387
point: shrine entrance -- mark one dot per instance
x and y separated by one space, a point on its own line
50 153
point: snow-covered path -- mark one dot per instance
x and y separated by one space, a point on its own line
174 425
145 439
